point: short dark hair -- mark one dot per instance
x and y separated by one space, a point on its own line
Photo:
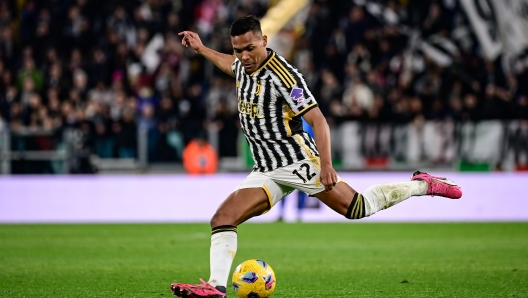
245 24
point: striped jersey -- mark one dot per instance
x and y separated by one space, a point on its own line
271 101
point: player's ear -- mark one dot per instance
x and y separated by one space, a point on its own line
264 40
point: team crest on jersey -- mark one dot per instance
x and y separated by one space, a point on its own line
297 94
259 88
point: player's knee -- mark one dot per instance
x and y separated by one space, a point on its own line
343 208
221 218
215 220
356 209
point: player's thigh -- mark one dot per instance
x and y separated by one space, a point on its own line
254 196
339 198
240 206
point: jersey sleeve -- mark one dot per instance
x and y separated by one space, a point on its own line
234 66
292 86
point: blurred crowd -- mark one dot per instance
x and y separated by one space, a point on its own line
362 66
110 67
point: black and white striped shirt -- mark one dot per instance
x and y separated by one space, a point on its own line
271 101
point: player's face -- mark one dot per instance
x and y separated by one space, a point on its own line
250 49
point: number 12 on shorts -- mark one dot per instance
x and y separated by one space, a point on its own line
308 176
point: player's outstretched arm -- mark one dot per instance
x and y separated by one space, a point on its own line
321 131
222 61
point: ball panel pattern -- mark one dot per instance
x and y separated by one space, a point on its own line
254 279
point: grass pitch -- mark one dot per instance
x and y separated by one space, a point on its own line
310 260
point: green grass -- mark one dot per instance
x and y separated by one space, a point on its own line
310 260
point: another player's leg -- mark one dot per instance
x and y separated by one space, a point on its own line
346 201
282 209
301 203
240 206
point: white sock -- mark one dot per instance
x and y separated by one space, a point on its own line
223 250
379 197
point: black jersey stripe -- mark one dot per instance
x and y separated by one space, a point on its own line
245 120
288 116
283 141
253 147
308 153
244 96
262 131
277 147
297 149
293 149
285 68
273 135
281 132
244 123
310 143
266 160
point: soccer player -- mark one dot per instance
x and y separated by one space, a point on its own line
272 97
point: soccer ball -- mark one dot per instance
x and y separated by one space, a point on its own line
254 279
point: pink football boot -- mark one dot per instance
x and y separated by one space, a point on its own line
197 290
439 186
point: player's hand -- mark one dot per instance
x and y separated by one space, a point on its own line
328 177
191 39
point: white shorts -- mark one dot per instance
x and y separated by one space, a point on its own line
303 175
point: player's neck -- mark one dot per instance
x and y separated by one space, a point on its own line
262 61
